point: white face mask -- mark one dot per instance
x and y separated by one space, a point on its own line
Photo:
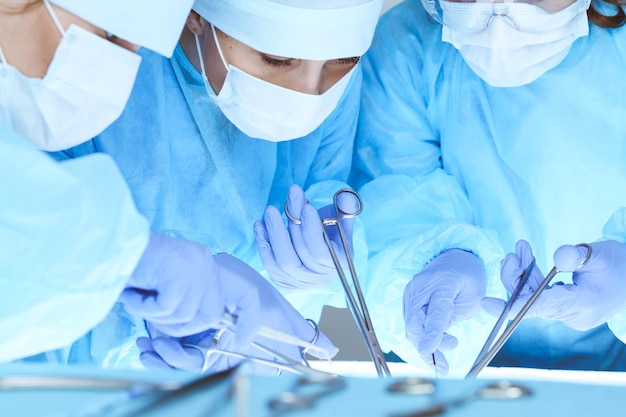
266 111
512 44
84 90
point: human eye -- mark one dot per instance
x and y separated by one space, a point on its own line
277 62
349 61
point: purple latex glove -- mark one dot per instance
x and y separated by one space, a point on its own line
163 352
597 291
448 290
182 289
297 256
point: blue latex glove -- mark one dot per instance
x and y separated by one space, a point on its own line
163 352
449 289
597 291
297 256
182 289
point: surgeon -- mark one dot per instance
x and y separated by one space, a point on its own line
72 240
489 128
258 96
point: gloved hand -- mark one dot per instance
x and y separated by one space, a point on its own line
182 289
298 257
163 352
448 290
597 292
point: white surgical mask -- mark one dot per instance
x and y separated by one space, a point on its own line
512 44
267 111
84 90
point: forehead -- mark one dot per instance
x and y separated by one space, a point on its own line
283 29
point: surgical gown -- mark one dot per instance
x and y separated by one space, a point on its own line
195 176
70 237
544 162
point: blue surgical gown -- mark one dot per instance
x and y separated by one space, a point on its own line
70 236
195 176
449 161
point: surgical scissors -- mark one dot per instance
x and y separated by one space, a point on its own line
488 351
357 308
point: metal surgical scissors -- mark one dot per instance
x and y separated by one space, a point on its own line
488 351
357 304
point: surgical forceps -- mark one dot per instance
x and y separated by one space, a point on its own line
280 336
305 392
503 390
359 310
287 364
487 352
76 382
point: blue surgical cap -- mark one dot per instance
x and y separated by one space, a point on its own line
153 24
317 30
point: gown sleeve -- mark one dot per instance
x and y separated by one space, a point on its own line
414 209
615 229
70 237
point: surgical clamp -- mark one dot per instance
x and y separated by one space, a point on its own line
280 336
488 351
303 394
503 390
358 309
288 363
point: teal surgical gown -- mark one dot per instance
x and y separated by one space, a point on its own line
70 236
195 176
449 161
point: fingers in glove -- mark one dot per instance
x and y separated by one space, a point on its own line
144 344
209 316
414 325
162 308
556 302
280 241
348 203
329 350
148 356
438 319
152 361
248 312
243 296
296 201
177 356
308 239
448 342
304 330
263 245
439 362
510 272
296 205
568 258
268 259
334 236
493 306
526 256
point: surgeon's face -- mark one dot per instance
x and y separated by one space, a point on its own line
551 6
29 37
305 76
